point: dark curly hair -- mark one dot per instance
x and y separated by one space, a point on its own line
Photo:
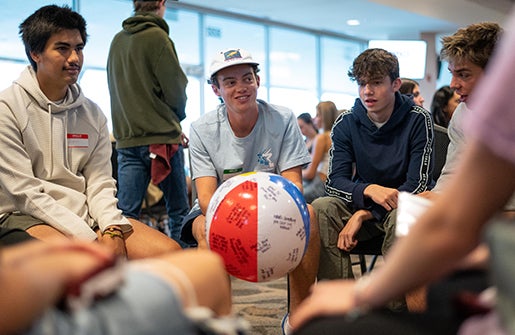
373 64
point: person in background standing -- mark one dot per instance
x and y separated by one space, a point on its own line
148 99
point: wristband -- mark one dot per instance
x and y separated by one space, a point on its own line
113 229
113 234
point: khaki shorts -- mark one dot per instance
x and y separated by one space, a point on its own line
17 220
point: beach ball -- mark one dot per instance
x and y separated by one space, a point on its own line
259 223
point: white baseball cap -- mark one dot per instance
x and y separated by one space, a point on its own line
230 57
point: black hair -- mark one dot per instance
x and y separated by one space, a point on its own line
37 29
306 117
440 100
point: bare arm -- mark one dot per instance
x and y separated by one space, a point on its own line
35 276
445 234
434 246
294 175
206 187
384 196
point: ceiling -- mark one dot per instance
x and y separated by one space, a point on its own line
380 19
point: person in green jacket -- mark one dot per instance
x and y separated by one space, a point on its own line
148 99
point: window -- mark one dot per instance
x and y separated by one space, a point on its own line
297 68
13 13
293 61
337 58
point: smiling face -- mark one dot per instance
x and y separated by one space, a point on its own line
60 63
378 96
238 87
465 76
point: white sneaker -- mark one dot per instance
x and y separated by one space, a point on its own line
285 325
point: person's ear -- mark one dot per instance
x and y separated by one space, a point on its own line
35 56
258 80
396 84
216 90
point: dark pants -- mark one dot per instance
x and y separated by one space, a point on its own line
12 236
445 312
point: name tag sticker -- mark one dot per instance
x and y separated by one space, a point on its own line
228 173
77 140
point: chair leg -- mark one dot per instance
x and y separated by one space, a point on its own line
372 262
362 264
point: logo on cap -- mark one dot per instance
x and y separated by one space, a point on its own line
232 54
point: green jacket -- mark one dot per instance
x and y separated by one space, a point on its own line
146 83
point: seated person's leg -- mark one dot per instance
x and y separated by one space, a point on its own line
45 232
145 241
187 229
199 231
154 299
33 226
198 276
13 236
332 215
304 275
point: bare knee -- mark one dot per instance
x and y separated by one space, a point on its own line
144 241
313 223
199 231
45 232
206 272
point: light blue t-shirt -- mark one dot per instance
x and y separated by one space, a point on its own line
275 144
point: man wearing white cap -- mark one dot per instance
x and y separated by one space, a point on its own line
246 134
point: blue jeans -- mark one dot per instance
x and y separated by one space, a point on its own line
134 177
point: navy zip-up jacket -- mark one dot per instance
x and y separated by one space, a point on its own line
397 155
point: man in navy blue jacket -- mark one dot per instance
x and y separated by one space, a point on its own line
382 146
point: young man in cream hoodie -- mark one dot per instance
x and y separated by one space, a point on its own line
55 175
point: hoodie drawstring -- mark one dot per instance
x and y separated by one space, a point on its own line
50 154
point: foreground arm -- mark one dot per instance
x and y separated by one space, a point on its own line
35 276
442 237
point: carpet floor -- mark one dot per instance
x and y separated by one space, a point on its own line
263 305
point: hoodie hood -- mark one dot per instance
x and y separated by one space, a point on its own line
74 97
142 21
